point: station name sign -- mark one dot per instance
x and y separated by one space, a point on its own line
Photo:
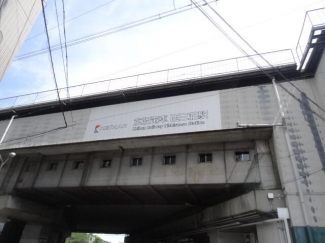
179 114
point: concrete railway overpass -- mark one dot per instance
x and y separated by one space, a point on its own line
204 159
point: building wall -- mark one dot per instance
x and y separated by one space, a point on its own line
16 20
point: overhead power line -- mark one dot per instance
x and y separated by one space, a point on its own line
249 57
52 65
60 38
64 22
264 59
64 60
250 26
110 31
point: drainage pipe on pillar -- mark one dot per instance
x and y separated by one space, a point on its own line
293 163
7 129
11 155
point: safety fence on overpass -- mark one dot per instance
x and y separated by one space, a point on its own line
198 71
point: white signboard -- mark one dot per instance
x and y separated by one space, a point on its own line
178 114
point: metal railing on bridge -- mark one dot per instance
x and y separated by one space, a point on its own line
198 71
312 29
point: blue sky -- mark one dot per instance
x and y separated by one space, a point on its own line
267 25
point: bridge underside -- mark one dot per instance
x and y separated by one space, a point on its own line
137 209
124 209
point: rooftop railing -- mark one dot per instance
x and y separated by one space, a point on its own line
313 25
199 71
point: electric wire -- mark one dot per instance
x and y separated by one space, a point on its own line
136 65
251 59
252 48
66 59
61 46
151 60
71 19
66 49
166 54
109 31
52 64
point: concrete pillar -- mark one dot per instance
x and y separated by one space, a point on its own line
271 232
12 231
265 165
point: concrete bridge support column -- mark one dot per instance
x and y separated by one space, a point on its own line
271 232
12 231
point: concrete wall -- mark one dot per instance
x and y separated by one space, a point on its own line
33 170
169 174
48 178
271 232
104 176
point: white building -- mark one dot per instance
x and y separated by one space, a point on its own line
16 20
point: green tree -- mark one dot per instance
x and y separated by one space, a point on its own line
82 238
98 240
78 238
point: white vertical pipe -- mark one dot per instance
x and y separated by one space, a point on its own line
286 226
7 129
